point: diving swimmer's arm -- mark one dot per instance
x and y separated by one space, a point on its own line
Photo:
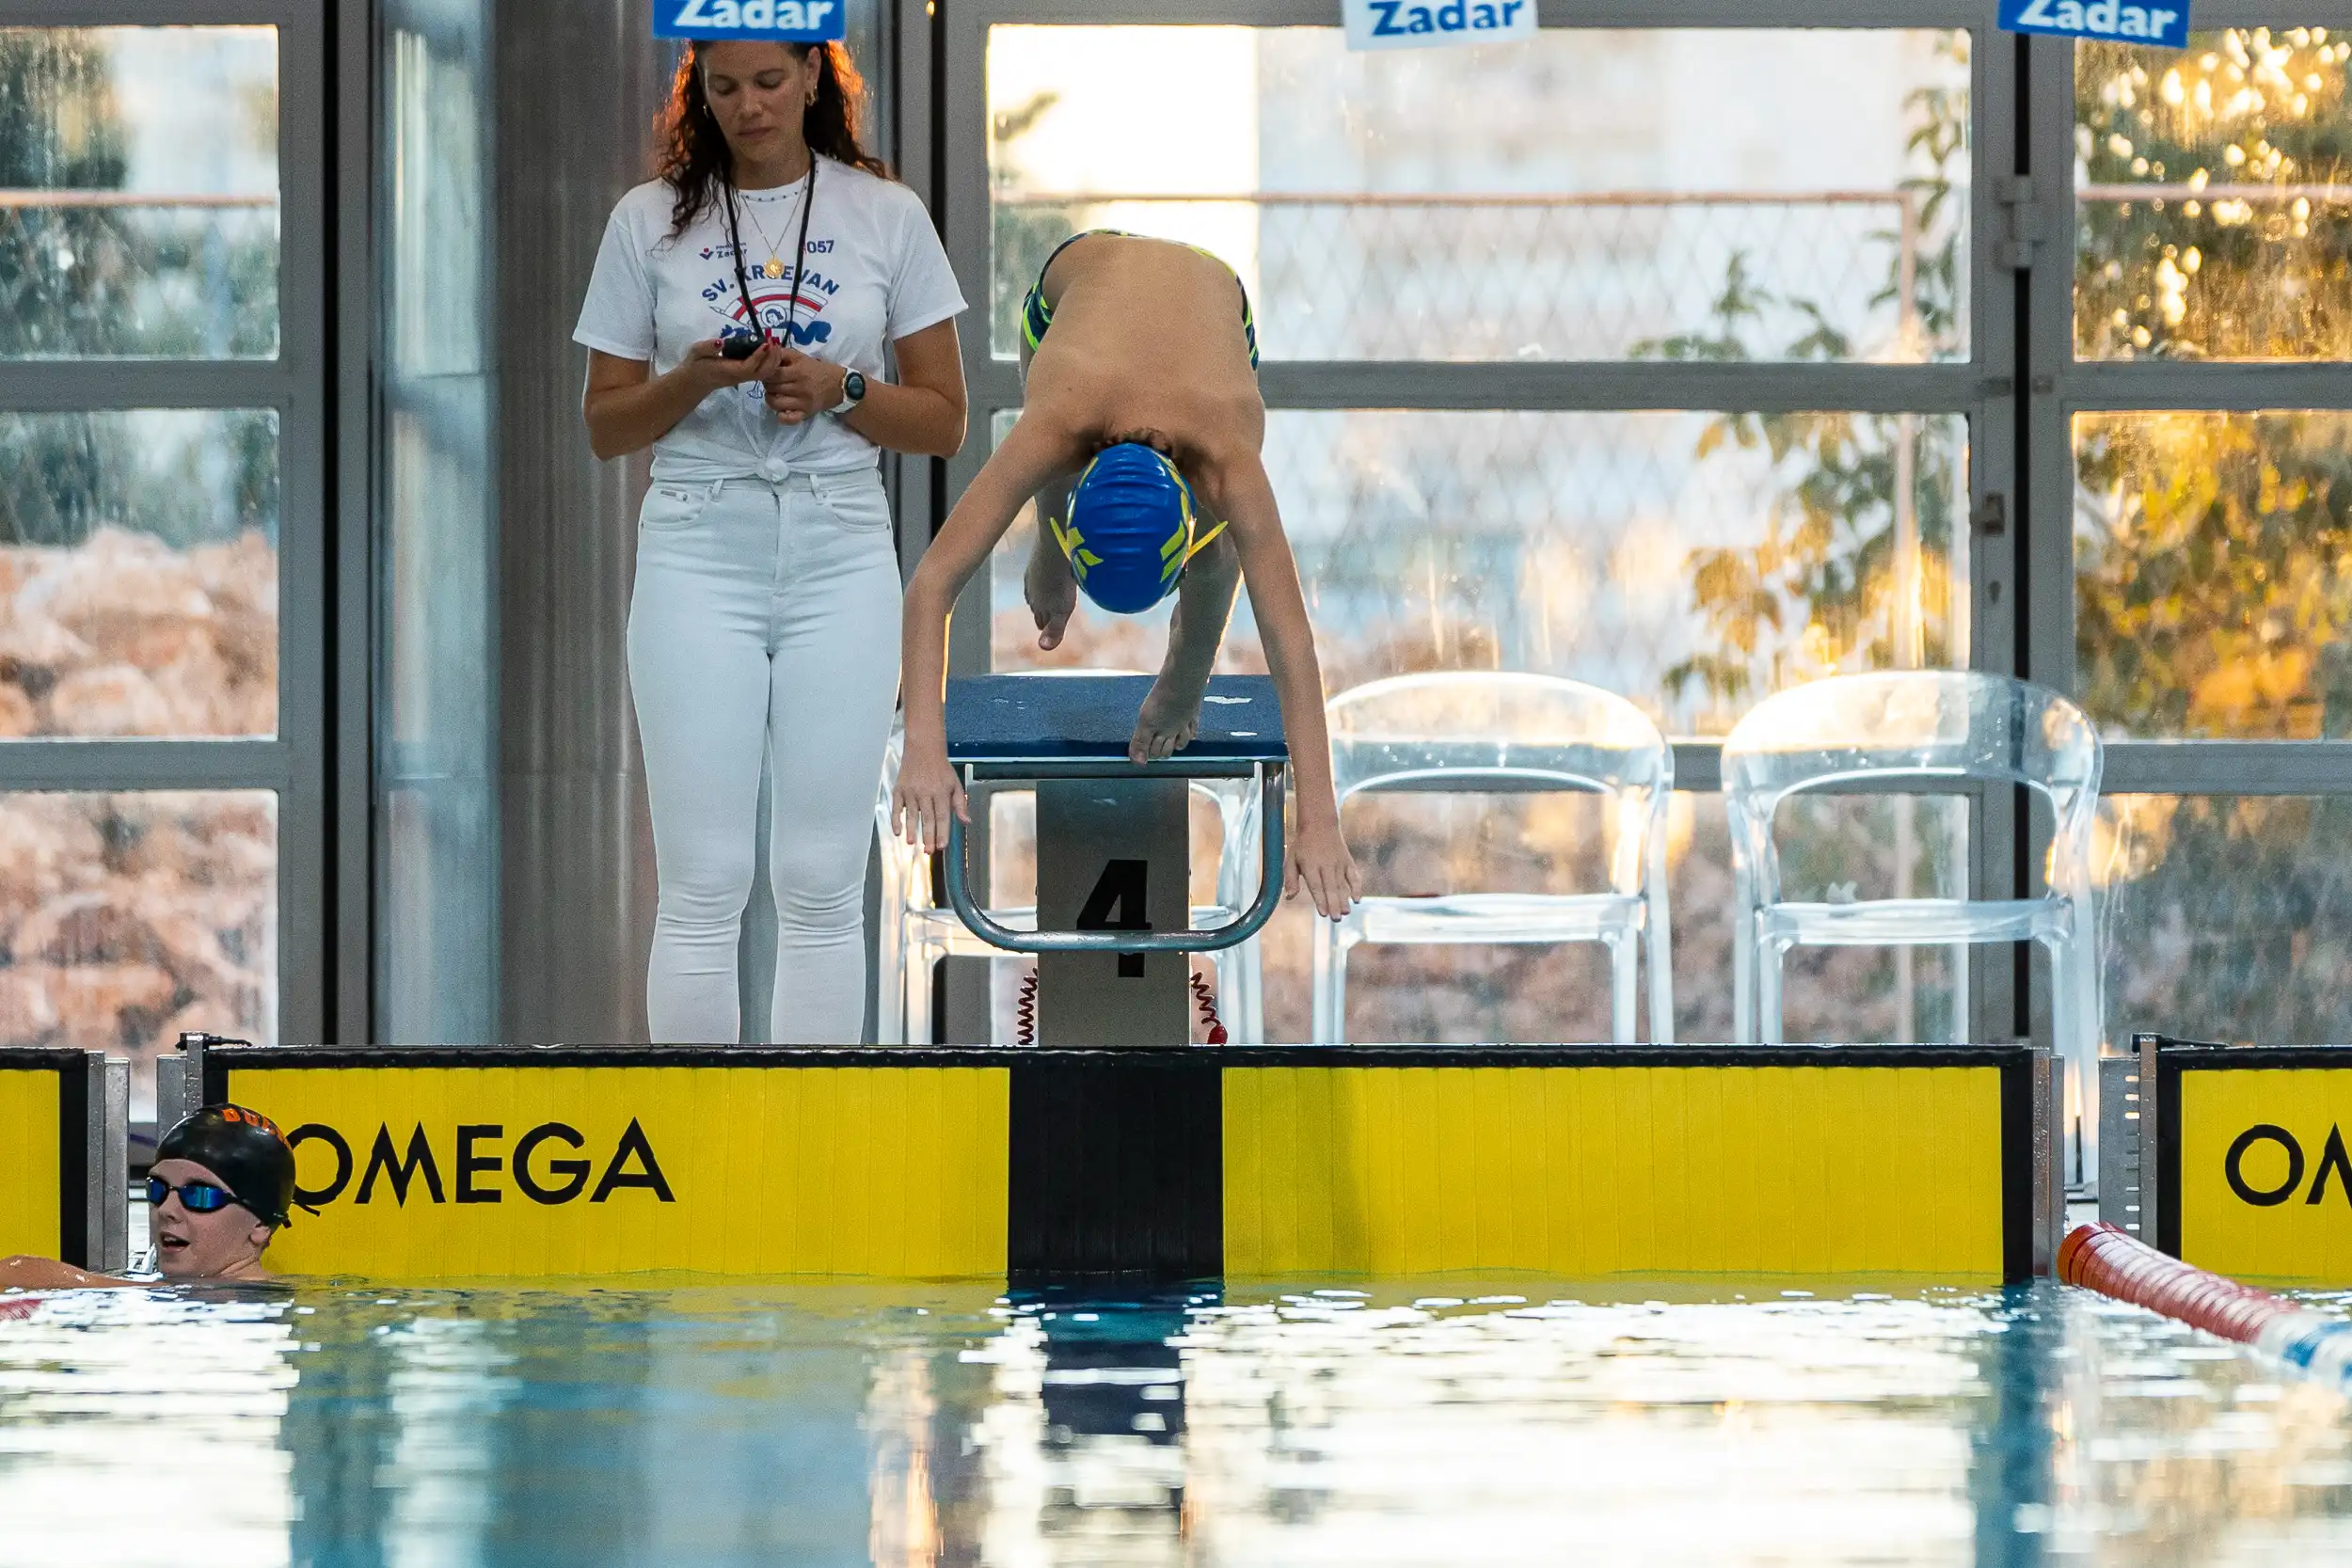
928 787
1318 853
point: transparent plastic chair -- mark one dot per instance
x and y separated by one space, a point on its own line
1476 732
1928 727
915 934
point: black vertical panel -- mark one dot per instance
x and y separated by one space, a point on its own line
2167 1161
2018 1218
73 1244
1117 1169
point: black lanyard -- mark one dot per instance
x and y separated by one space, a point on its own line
800 256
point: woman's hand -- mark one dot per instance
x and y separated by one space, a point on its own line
706 365
927 790
799 388
1319 862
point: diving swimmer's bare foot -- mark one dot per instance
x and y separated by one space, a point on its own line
1169 721
1051 590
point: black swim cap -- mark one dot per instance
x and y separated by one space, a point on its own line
242 1147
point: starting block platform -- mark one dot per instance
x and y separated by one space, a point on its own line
1114 840
1157 1164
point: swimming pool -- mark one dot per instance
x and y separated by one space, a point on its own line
1506 1421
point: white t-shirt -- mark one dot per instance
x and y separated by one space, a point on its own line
875 272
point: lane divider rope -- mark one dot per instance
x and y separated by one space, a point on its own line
2114 1262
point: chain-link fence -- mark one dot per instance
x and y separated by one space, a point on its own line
1809 274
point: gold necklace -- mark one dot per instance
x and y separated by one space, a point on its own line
775 266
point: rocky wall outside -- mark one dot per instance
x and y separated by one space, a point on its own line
126 918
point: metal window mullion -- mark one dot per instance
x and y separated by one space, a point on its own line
1631 14
101 765
1598 385
83 385
2228 767
2159 385
156 13
351 777
304 435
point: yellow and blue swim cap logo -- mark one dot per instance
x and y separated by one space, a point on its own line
1130 529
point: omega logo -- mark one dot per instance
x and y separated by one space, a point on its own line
2332 1161
552 1178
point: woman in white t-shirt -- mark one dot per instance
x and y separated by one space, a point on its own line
736 323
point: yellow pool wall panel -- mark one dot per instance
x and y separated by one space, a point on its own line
31 1199
854 1171
2304 1233
1604 1170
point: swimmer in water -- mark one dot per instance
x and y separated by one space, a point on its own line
220 1187
1138 439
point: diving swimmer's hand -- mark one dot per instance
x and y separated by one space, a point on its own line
1051 590
1319 862
927 790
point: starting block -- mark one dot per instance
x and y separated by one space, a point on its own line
1114 865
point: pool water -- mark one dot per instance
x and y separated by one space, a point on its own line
1502 1422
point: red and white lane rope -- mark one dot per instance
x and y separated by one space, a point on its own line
2112 1261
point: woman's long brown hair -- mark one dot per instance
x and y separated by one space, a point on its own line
695 159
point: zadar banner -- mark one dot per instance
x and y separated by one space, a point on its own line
2166 24
777 21
1434 24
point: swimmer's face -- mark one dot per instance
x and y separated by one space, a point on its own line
224 1243
759 93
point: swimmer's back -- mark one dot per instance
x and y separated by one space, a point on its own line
1142 301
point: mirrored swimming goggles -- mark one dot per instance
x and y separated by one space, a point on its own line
196 1198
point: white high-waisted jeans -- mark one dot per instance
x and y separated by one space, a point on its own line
765 620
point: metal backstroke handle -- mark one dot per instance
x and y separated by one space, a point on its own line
1252 919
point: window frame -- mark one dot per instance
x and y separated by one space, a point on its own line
315 644
1981 387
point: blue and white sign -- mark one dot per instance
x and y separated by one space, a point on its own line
2109 20
1434 24
768 20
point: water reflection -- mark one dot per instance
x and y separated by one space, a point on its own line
1517 1422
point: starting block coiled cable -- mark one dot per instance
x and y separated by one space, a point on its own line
2114 1262
1203 997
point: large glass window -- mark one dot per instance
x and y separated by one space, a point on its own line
1591 207
2212 574
1584 204
2228 917
2211 539
156 708
138 192
138 573
2214 197
1690 562
128 918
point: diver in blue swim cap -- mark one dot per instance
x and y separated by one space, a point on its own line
1129 529
1139 440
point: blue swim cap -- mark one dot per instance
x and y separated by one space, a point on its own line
1130 529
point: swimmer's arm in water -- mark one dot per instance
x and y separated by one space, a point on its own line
928 787
47 1274
1318 855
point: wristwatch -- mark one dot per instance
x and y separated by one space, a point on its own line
853 393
